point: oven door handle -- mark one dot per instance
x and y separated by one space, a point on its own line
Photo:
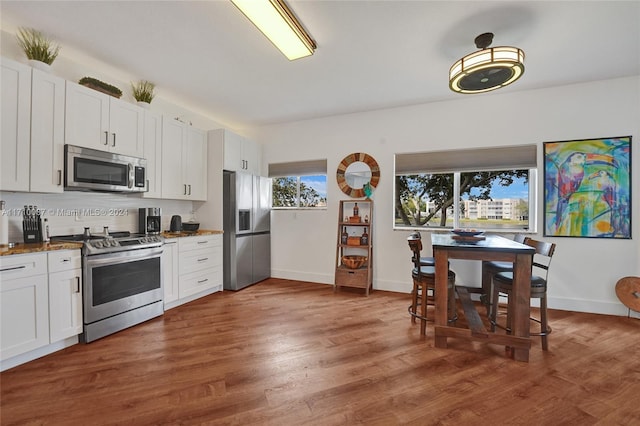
124 256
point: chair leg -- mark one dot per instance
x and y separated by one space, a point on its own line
510 308
423 310
544 329
414 302
493 307
451 298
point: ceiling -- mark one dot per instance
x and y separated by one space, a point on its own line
371 54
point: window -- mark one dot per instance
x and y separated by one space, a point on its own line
300 184
489 189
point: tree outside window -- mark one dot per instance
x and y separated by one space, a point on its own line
487 200
299 191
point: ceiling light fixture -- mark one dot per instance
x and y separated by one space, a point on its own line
279 24
487 69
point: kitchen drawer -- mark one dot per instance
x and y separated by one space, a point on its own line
198 260
64 260
200 281
351 277
23 265
200 242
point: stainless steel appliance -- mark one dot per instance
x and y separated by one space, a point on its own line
92 170
121 281
247 234
150 220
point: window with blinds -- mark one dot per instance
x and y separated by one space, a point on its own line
482 188
299 184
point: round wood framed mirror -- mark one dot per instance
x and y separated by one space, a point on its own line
355 171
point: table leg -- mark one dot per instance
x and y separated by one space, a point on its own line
441 296
522 296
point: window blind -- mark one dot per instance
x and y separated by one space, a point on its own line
298 168
467 160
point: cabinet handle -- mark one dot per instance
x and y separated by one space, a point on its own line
77 284
189 189
65 260
203 259
59 177
147 185
14 268
106 138
203 242
114 139
203 281
185 189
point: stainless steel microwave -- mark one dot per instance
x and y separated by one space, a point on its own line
92 170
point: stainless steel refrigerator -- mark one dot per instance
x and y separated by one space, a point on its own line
247 234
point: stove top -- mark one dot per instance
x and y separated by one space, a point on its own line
114 242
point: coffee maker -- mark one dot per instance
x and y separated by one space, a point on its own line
149 220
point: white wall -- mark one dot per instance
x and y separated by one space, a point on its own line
584 271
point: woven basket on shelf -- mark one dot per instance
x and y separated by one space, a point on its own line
354 262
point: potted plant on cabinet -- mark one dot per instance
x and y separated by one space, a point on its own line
143 92
40 50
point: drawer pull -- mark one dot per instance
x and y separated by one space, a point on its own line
203 242
77 284
65 260
203 281
203 259
13 268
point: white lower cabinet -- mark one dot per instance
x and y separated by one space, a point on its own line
40 304
65 294
198 269
170 270
24 304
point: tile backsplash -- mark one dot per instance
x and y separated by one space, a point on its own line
71 212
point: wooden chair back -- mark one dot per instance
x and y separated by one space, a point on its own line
543 255
415 244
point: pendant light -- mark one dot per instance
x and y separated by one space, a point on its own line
488 69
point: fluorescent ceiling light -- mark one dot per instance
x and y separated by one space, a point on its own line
279 24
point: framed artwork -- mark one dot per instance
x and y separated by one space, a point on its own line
587 188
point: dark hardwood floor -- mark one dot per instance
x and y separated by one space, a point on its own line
293 353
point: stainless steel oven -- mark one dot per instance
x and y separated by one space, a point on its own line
121 281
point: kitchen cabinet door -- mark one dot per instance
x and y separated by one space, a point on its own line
195 166
170 271
99 121
240 154
173 135
16 118
47 132
87 117
184 161
153 154
24 306
126 126
65 304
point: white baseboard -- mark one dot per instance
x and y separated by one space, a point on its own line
37 353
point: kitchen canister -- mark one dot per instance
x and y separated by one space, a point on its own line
4 224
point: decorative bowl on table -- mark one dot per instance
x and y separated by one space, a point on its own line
354 262
467 232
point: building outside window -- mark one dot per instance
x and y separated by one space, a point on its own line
489 189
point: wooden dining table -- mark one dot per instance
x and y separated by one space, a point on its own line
492 248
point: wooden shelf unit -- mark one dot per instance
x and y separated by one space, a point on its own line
363 276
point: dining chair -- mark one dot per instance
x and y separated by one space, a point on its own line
490 268
423 283
503 285
424 260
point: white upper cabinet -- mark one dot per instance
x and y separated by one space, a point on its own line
240 154
16 119
47 132
184 161
99 121
153 154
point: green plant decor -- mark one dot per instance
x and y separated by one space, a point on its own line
37 46
143 91
100 86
